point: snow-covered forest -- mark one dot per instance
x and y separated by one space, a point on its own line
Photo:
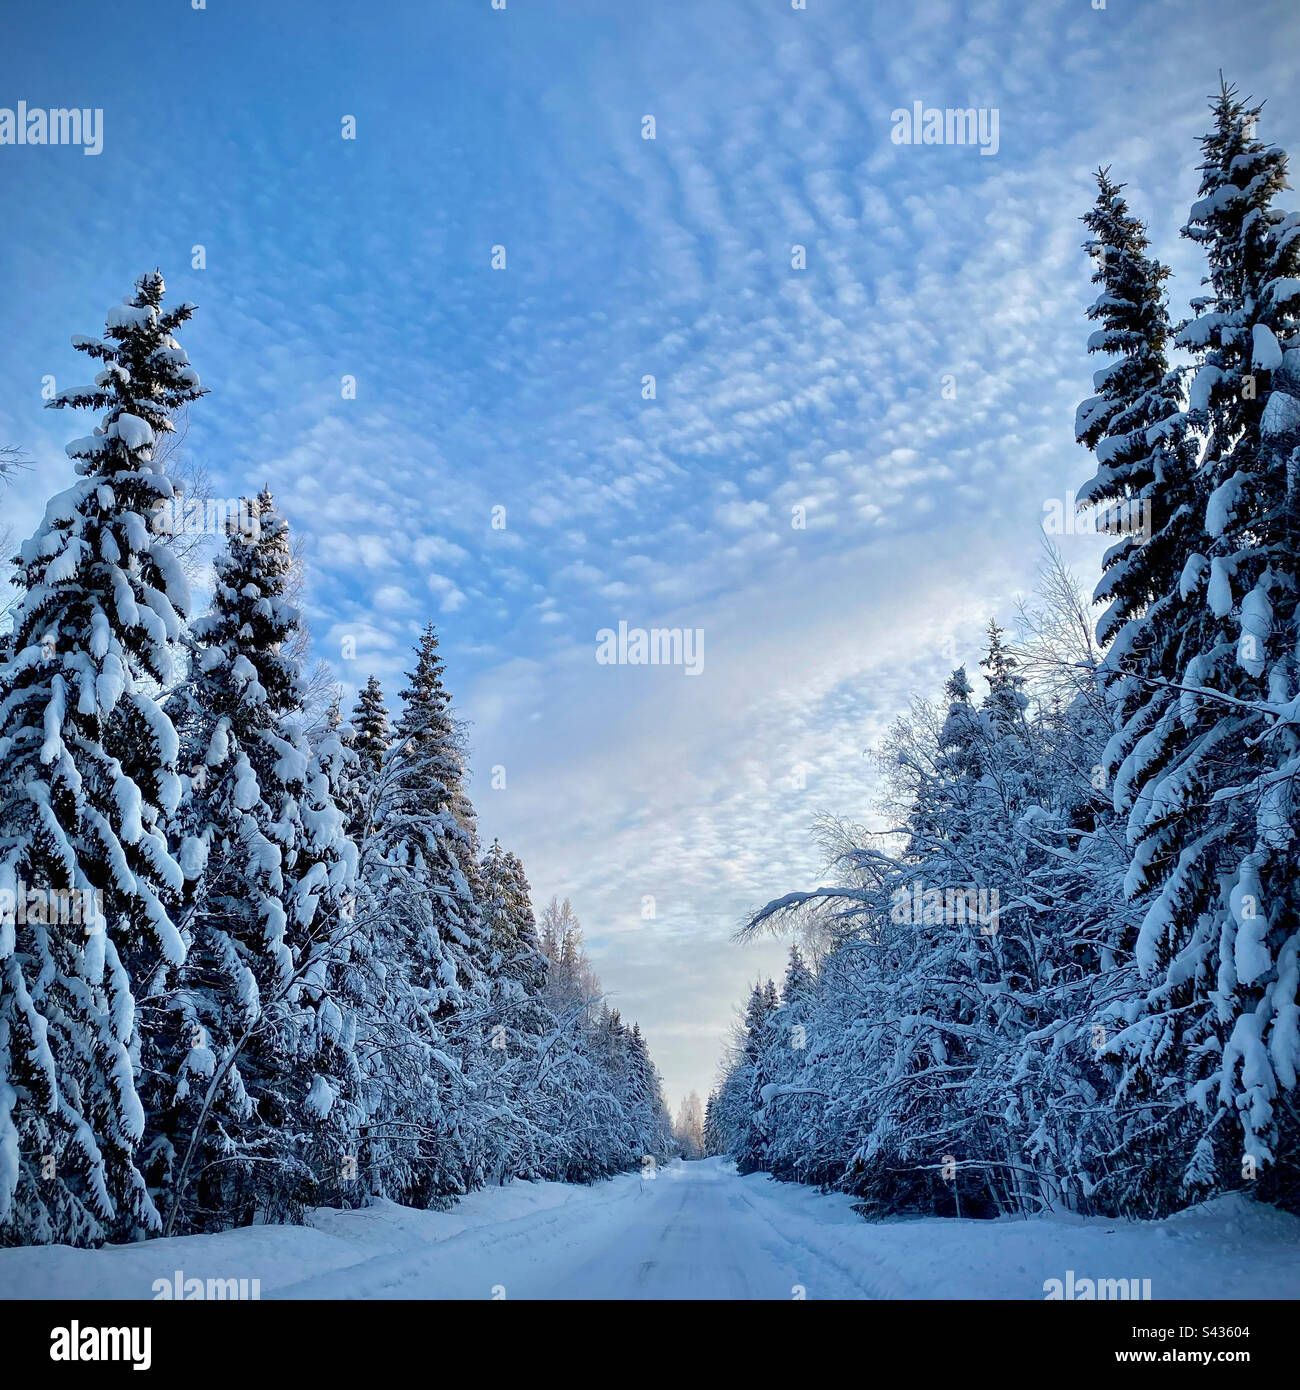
1063 972
254 956
260 968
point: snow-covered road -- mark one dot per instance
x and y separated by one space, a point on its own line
694 1231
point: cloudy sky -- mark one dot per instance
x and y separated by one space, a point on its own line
521 388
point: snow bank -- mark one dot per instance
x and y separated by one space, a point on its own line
1229 1248
334 1241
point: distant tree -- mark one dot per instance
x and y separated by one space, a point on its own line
688 1128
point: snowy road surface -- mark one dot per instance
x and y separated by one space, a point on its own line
696 1231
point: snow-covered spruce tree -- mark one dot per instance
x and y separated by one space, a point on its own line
371 726
788 1099
637 1125
270 875
1146 490
751 1156
1211 787
520 1021
88 776
426 872
713 1144
371 737
332 999
652 1123
512 927
397 1046
430 825
1142 490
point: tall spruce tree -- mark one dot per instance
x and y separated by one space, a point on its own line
429 827
426 871
519 1019
508 915
88 778
329 1083
371 738
1145 462
370 721
1213 814
271 876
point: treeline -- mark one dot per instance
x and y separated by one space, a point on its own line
252 961
1070 976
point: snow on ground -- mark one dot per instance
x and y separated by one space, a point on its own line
697 1230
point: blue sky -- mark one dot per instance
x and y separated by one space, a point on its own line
522 388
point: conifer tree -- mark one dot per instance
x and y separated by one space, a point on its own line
713 1140
1143 486
271 877
370 738
331 1000
1213 816
428 827
370 722
426 871
763 1004
88 778
1005 701
518 1020
508 916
